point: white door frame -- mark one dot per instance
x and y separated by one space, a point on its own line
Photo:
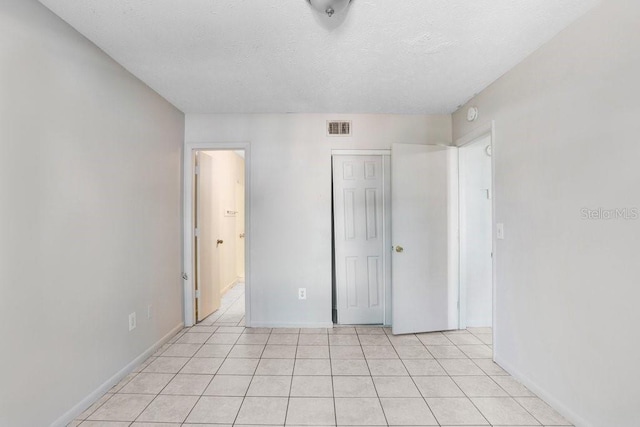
187 215
386 224
486 130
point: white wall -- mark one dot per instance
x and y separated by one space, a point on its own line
567 132
90 205
291 199
476 264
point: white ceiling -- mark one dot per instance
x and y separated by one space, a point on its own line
276 56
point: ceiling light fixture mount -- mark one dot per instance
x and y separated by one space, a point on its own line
329 7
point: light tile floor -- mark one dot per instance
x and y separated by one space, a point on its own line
219 373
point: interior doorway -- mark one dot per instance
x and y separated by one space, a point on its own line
399 210
361 235
395 223
216 204
476 233
218 227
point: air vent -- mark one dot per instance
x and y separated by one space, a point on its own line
335 128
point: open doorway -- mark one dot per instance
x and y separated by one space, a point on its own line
215 243
476 234
219 228
408 194
423 203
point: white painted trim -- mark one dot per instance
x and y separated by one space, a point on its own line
292 325
229 286
477 133
462 293
360 152
453 232
386 240
487 129
543 394
494 240
189 148
92 397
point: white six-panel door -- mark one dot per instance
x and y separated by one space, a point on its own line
424 229
358 194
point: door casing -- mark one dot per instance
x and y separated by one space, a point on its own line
188 226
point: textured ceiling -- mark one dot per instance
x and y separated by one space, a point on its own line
276 56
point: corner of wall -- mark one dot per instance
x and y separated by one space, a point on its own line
92 397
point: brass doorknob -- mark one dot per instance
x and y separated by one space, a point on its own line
399 249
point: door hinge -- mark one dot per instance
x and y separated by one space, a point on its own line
196 232
197 293
196 170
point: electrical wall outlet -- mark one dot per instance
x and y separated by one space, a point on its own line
132 321
149 311
302 293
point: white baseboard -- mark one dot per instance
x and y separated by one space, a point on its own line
543 394
229 286
291 325
82 406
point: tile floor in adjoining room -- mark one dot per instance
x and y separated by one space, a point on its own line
231 311
220 374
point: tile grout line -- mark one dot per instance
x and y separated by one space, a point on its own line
333 391
444 370
176 374
414 382
299 340
454 381
295 361
212 377
235 419
366 362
